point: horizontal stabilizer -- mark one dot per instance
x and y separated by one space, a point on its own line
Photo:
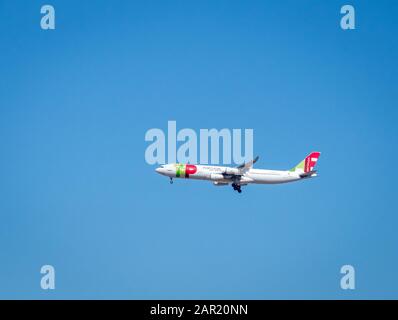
308 174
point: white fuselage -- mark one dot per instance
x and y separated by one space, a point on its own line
225 175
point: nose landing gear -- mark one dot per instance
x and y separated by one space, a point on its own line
171 180
236 187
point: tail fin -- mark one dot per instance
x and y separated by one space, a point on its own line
308 163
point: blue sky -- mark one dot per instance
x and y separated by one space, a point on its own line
76 192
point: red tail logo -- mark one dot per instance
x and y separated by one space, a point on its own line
310 161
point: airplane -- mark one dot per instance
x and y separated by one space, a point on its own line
241 175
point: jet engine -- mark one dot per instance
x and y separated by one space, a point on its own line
220 184
231 171
216 176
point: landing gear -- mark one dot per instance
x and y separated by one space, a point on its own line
171 180
236 187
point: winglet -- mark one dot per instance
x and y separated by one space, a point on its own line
249 164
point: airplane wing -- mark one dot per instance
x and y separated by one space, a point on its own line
248 165
235 174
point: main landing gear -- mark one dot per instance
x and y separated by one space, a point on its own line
236 187
171 180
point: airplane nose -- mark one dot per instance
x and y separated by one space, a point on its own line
160 170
